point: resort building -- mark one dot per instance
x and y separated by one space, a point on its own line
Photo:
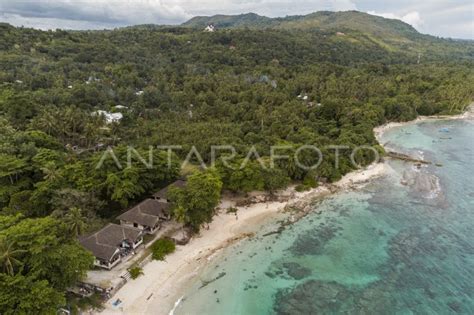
111 243
162 194
146 216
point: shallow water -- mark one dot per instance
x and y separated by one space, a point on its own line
386 249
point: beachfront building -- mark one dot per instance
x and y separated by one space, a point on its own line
146 216
162 194
111 243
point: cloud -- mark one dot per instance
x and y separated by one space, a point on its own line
413 18
158 11
270 8
102 12
54 23
344 5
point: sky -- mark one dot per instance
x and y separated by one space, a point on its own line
445 18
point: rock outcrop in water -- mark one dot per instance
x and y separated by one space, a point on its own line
423 184
312 297
406 157
312 243
289 270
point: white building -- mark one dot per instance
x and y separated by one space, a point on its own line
210 28
109 117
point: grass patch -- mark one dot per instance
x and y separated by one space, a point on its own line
161 248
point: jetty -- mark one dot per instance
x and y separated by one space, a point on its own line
406 157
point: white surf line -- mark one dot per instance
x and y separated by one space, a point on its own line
176 304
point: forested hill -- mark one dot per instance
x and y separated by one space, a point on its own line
249 20
322 20
358 27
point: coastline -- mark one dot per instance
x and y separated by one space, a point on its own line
164 282
380 130
163 285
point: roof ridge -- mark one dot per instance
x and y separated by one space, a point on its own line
102 244
96 233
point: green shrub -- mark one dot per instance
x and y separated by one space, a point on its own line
161 248
135 272
302 187
310 181
232 210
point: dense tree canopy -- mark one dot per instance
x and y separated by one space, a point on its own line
196 203
40 259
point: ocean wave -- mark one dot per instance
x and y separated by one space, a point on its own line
176 304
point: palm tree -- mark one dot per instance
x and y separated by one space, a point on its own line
181 216
51 172
46 121
75 221
8 256
92 130
261 114
75 120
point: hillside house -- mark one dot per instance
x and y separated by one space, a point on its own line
210 28
109 117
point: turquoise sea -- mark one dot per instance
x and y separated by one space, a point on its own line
388 248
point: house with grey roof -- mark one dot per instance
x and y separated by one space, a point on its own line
146 216
162 195
111 243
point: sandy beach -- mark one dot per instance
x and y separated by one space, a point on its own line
164 282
